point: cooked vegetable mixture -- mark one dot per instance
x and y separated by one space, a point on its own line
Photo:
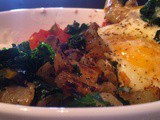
59 68
74 67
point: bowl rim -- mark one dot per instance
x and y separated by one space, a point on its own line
47 8
50 112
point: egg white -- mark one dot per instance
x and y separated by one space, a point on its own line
134 48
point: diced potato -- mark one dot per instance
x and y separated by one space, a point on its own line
89 75
70 82
60 62
74 54
148 95
18 95
95 46
111 99
64 77
53 42
123 79
116 12
8 73
93 56
47 73
91 36
108 87
131 3
142 96
108 70
88 61
51 100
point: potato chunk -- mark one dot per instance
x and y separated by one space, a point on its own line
148 95
47 73
108 70
111 99
18 95
142 96
116 12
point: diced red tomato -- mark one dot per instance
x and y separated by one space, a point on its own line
104 24
35 38
60 34
42 35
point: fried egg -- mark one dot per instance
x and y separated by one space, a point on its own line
132 45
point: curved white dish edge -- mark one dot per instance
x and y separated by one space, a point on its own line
12 30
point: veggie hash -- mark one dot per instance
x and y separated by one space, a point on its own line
85 65
59 68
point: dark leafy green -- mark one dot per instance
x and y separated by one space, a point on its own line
125 89
8 76
42 54
42 89
94 100
26 62
7 54
3 83
22 57
76 28
157 36
123 2
76 70
77 42
151 12
125 102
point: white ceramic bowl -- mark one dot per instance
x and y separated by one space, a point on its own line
18 25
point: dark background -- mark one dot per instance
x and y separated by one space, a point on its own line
17 4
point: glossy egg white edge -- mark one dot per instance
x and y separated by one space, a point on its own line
17 26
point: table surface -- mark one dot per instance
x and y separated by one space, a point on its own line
20 4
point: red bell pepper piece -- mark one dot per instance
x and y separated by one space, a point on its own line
35 38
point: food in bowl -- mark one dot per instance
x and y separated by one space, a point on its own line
82 66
